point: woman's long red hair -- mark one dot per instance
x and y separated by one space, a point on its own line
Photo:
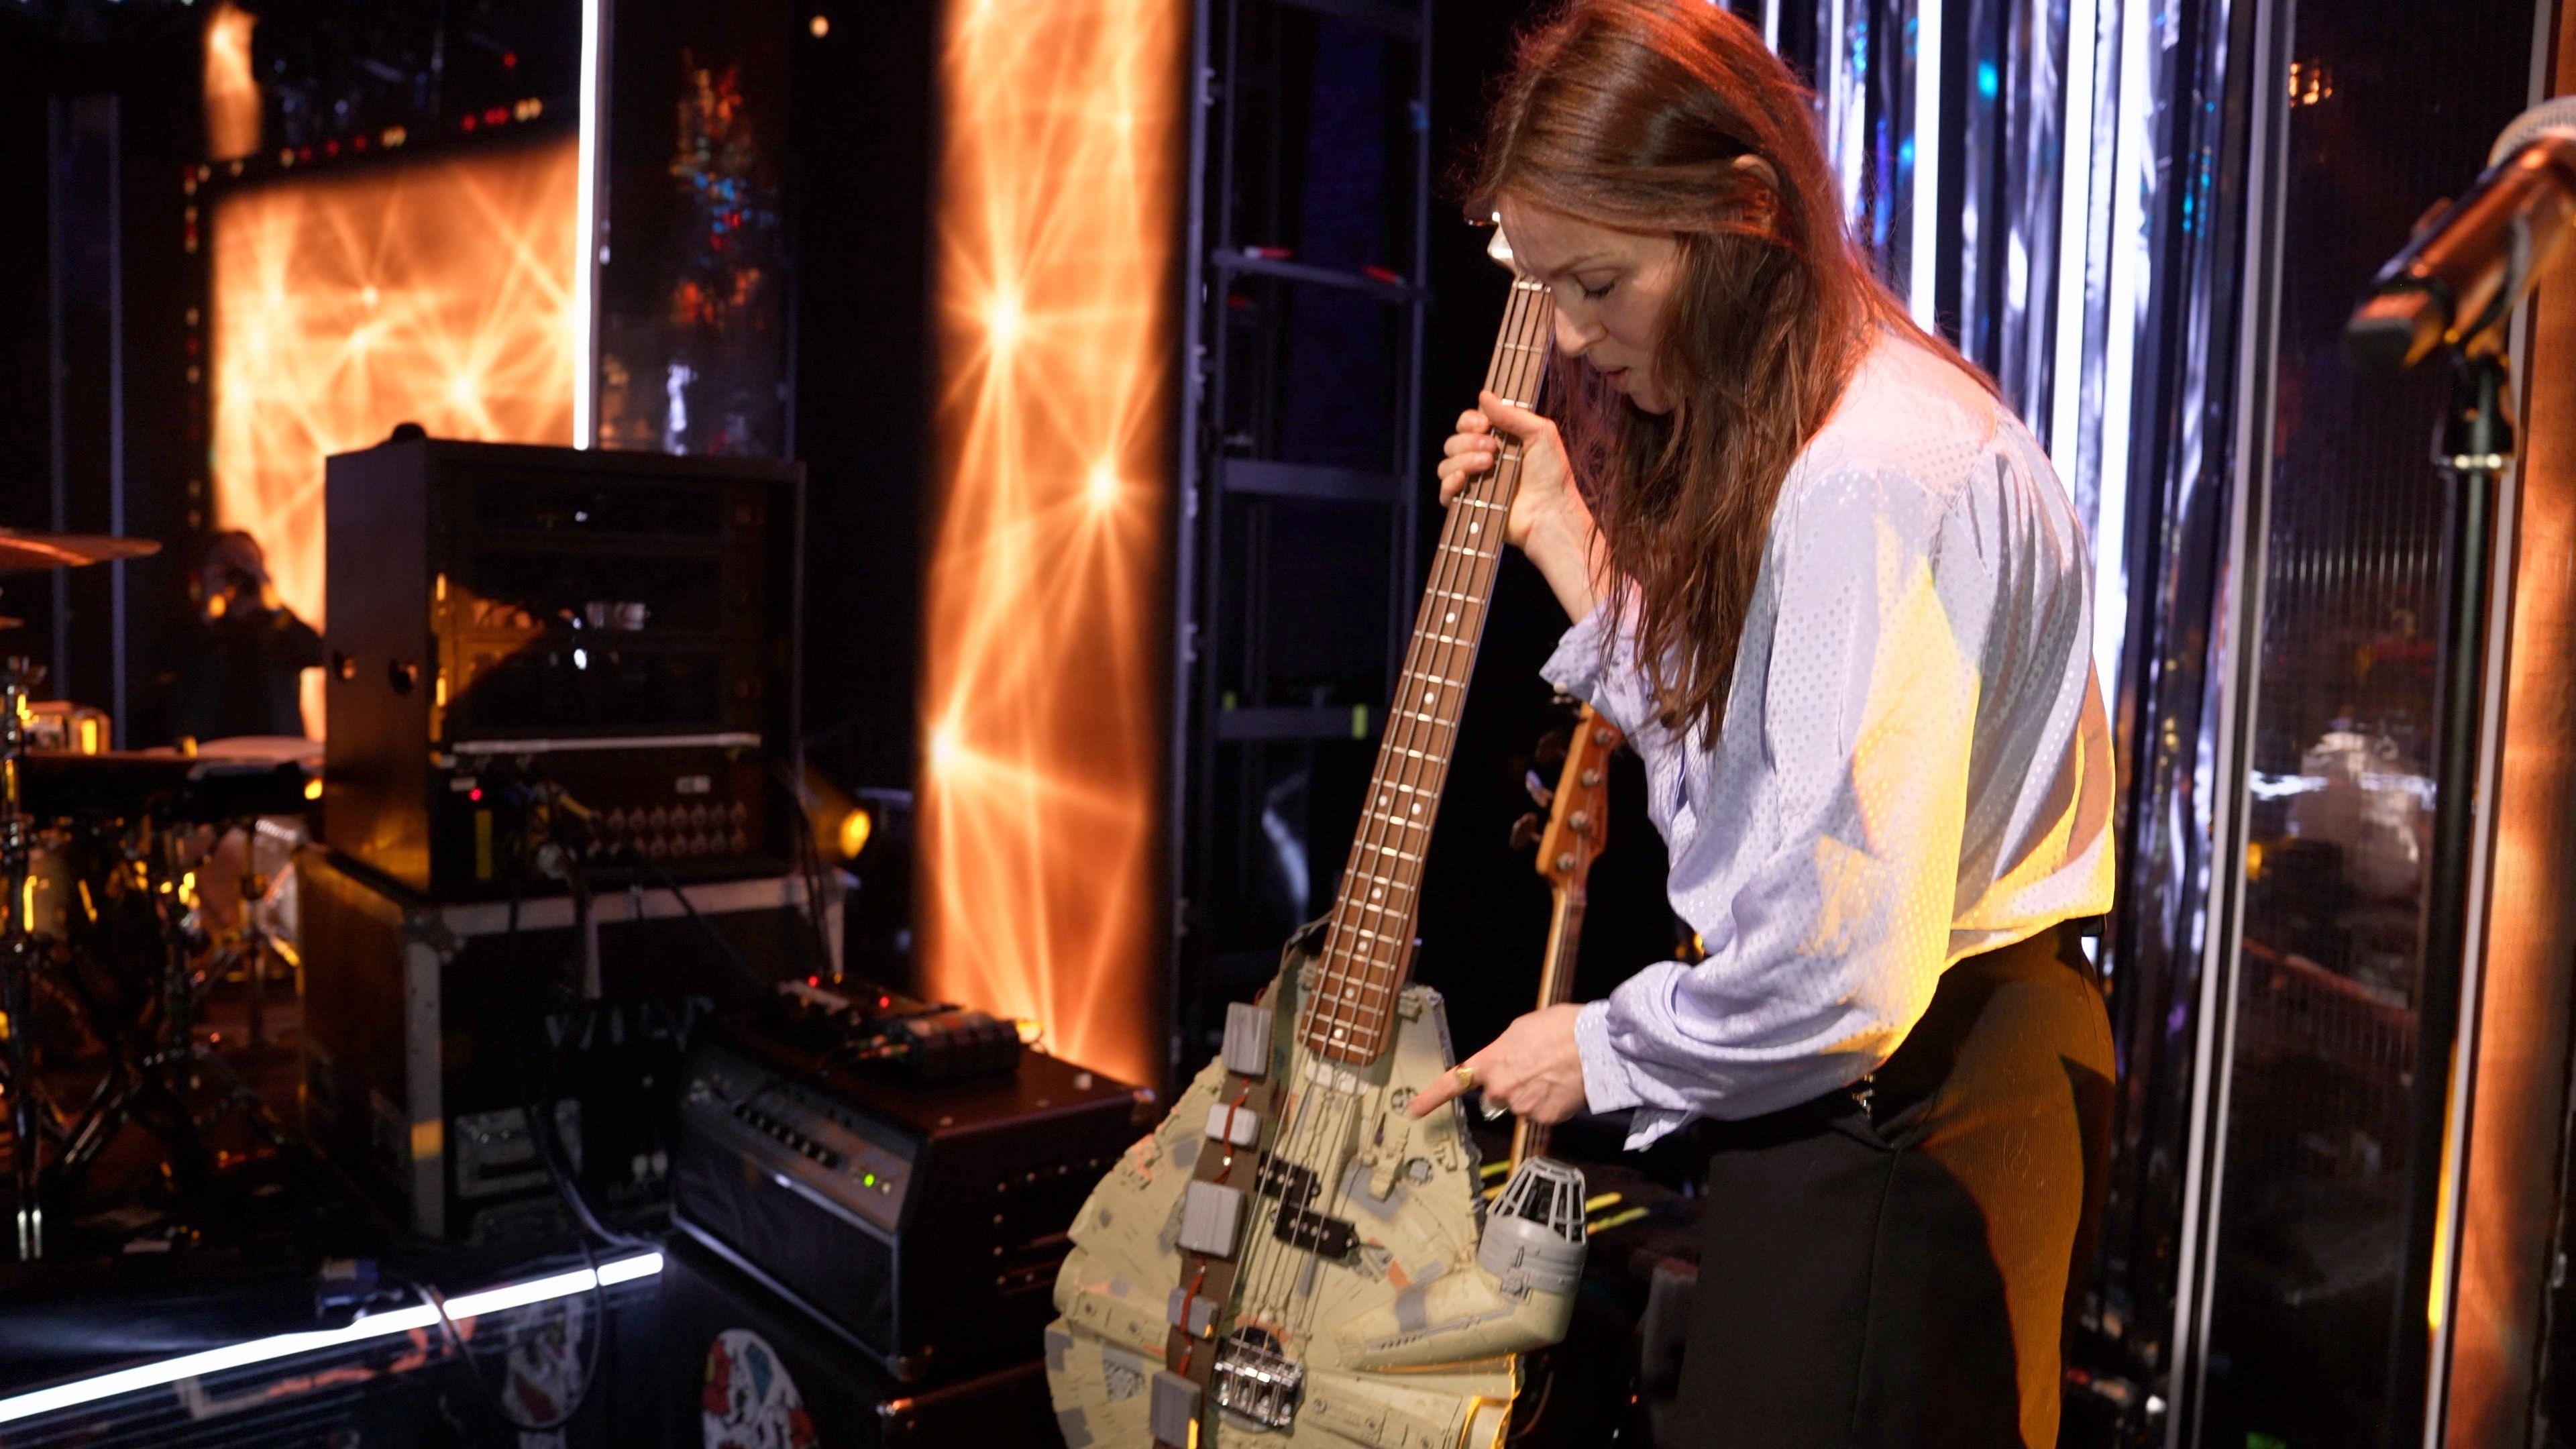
1632 114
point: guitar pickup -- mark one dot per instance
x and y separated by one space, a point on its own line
1288 1182
1318 1233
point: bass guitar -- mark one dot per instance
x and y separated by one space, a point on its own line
1290 1259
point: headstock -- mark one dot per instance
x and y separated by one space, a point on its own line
1578 817
1500 248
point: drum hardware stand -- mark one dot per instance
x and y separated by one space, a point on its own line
18 948
161 1065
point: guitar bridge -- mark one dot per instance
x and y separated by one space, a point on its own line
1253 1380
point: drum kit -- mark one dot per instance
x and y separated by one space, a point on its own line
135 882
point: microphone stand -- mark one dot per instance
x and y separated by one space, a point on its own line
2473 450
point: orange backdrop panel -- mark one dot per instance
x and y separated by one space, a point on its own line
1048 608
436 292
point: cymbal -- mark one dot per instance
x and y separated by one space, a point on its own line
8 623
23 550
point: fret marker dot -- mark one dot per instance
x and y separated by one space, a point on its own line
1475 528
1378 894
1452 618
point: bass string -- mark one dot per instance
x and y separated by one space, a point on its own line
1461 569
1525 323
1404 733
1370 963
1521 362
1403 762
1413 762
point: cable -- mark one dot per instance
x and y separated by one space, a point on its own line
809 864
498 1398
706 928
546 1133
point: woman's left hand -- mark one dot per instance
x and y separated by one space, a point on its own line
1533 1068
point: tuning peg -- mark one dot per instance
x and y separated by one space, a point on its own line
1539 790
1552 746
1525 832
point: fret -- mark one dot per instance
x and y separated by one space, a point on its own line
1374 882
1401 918
1398 854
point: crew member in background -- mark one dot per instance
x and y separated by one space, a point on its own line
1833 593
238 663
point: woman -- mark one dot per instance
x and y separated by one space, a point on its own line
1832 591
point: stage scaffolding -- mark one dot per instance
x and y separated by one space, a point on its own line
1303 467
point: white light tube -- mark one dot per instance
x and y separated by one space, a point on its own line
585 226
2128 258
1925 263
289 1345
2074 245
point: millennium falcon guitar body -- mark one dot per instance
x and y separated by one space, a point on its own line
1291 1259
1405 1339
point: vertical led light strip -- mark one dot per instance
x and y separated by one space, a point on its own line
1043 692
2082 217
2127 263
584 320
1846 108
1922 287
2074 245
1771 24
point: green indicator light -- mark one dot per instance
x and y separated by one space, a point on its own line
869 1181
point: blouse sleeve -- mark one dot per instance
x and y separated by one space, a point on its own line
1830 948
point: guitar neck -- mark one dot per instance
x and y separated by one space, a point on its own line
1368 945
1555 987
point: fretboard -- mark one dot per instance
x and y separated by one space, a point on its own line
1368 945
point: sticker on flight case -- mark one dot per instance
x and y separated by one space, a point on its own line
749 1401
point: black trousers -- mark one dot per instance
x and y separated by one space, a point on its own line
1891 1266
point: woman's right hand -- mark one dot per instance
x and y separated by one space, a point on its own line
1549 520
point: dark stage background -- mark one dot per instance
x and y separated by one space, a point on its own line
861 133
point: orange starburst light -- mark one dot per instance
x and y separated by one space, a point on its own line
231 88
1043 692
436 292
